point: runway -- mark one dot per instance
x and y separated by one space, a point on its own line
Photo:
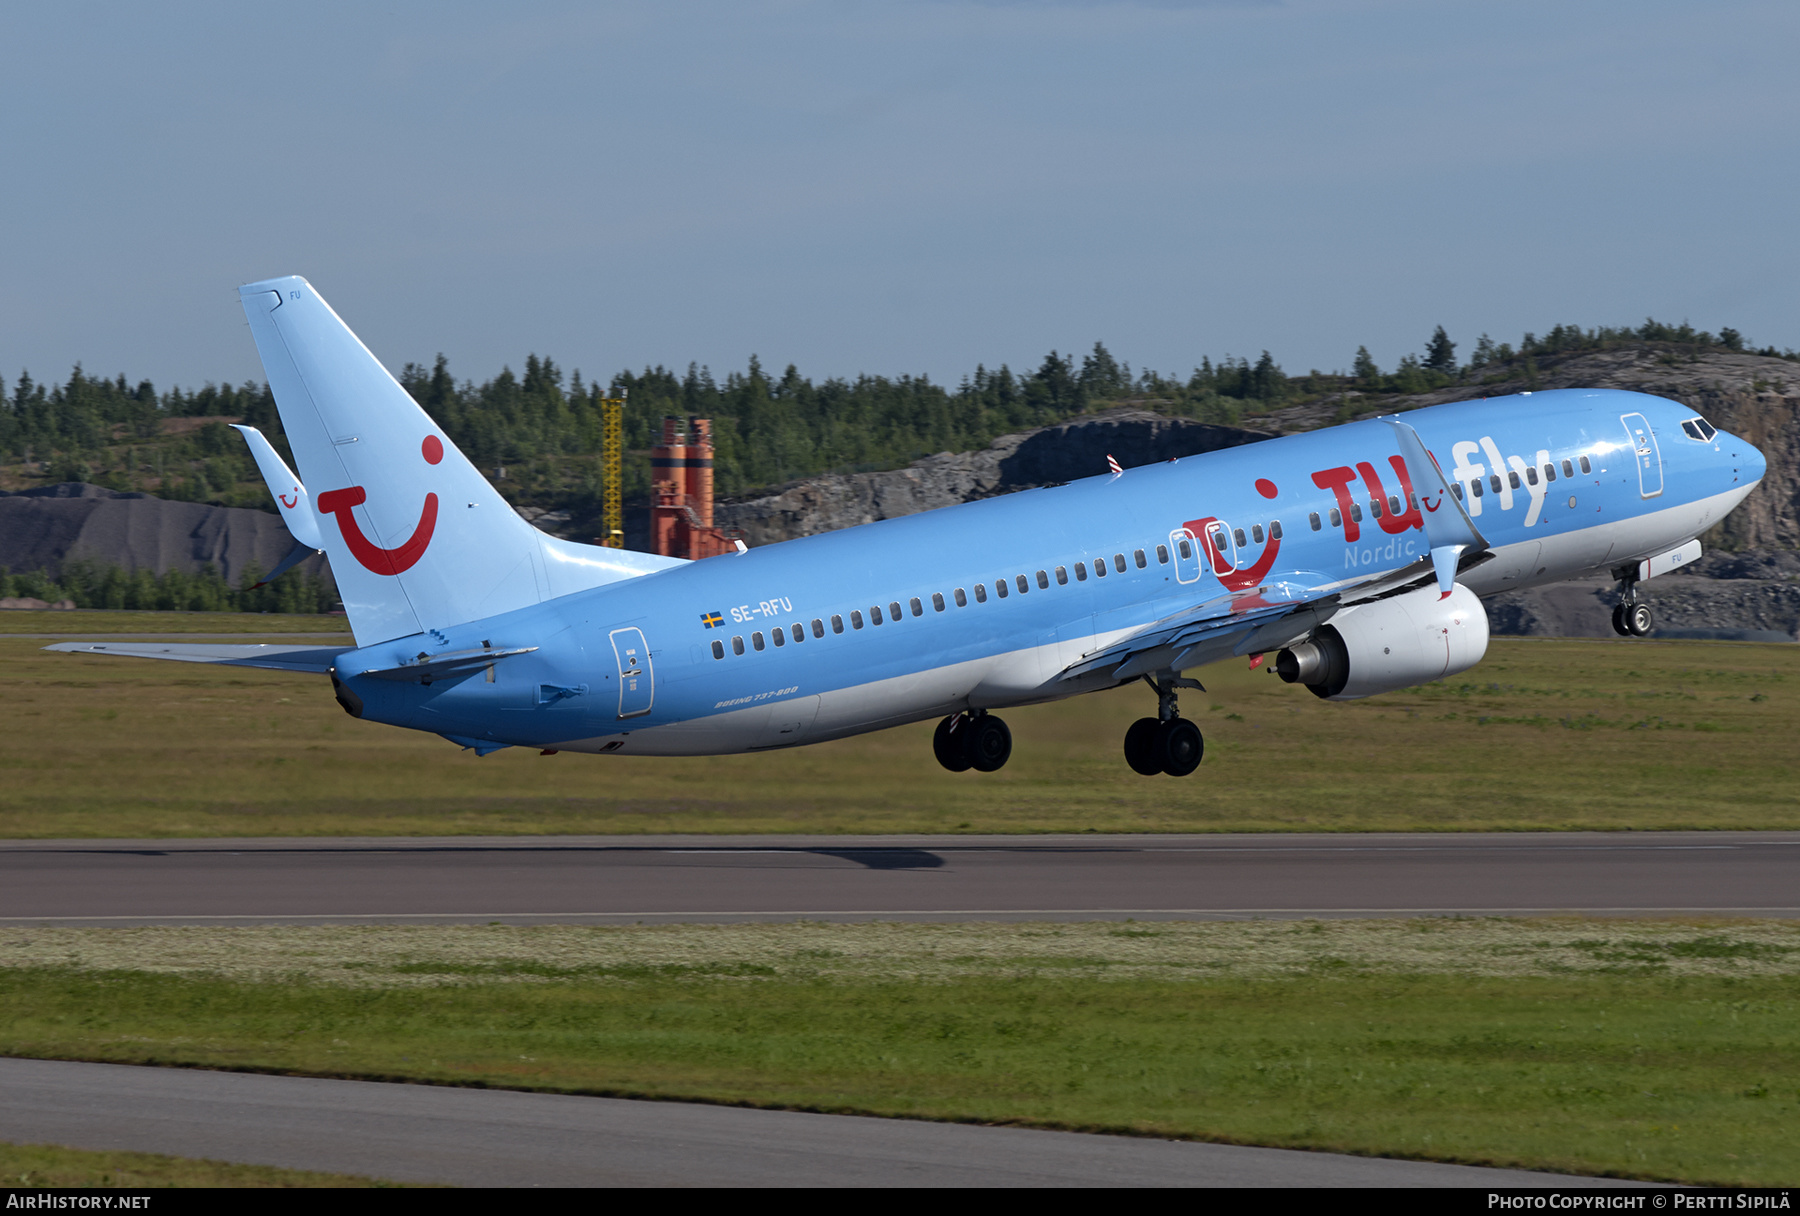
501 1138
473 1137
622 880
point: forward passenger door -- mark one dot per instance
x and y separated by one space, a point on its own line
1649 456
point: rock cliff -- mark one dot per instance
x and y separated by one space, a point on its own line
42 528
1075 449
1755 396
1750 589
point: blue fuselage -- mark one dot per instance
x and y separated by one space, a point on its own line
986 604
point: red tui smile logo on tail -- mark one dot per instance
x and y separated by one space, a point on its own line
402 557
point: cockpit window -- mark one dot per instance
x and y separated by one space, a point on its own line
1699 428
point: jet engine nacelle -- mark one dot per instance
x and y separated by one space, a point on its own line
1369 648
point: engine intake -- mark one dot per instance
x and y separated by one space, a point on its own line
1374 648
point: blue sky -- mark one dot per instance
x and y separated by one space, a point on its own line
907 186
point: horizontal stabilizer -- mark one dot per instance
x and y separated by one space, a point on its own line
299 553
430 667
315 659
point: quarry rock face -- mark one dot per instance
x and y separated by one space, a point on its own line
1754 590
1754 396
42 528
1740 596
1072 450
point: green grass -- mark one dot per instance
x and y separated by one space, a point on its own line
51 1165
106 621
1634 1049
1543 734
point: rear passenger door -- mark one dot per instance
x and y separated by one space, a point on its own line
637 682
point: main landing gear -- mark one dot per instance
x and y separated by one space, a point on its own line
974 739
1167 743
1631 619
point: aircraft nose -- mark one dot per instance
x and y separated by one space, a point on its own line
1751 465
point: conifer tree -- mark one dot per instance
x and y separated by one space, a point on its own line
1440 353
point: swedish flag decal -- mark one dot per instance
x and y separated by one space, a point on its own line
711 620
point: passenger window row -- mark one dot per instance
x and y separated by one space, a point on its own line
1512 478
1392 505
1020 584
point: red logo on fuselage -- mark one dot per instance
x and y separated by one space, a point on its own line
1338 482
1394 514
1235 578
402 557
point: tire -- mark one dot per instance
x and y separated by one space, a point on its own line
1619 625
947 744
987 743
1640 620
1140 747
1179 747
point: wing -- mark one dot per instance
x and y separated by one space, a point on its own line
1289 606
314 659
1236 622
1268 617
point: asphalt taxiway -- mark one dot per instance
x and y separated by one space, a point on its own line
476 1137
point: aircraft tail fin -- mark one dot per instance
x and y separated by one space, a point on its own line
416 536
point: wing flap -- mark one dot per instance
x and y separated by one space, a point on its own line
1176 641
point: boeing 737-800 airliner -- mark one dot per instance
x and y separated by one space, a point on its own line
1355 555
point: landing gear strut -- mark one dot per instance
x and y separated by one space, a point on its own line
1167 743
975 740
1631 619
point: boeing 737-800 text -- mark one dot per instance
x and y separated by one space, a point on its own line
1355 555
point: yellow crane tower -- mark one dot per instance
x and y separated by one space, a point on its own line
612 453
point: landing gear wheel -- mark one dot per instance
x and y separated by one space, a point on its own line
1140 747
1639 620
987 743
947 744
1179 746
1619 625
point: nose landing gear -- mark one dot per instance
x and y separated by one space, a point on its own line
1630 619
972 740
1167 743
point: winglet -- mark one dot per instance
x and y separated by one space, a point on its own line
285 488
1450 534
